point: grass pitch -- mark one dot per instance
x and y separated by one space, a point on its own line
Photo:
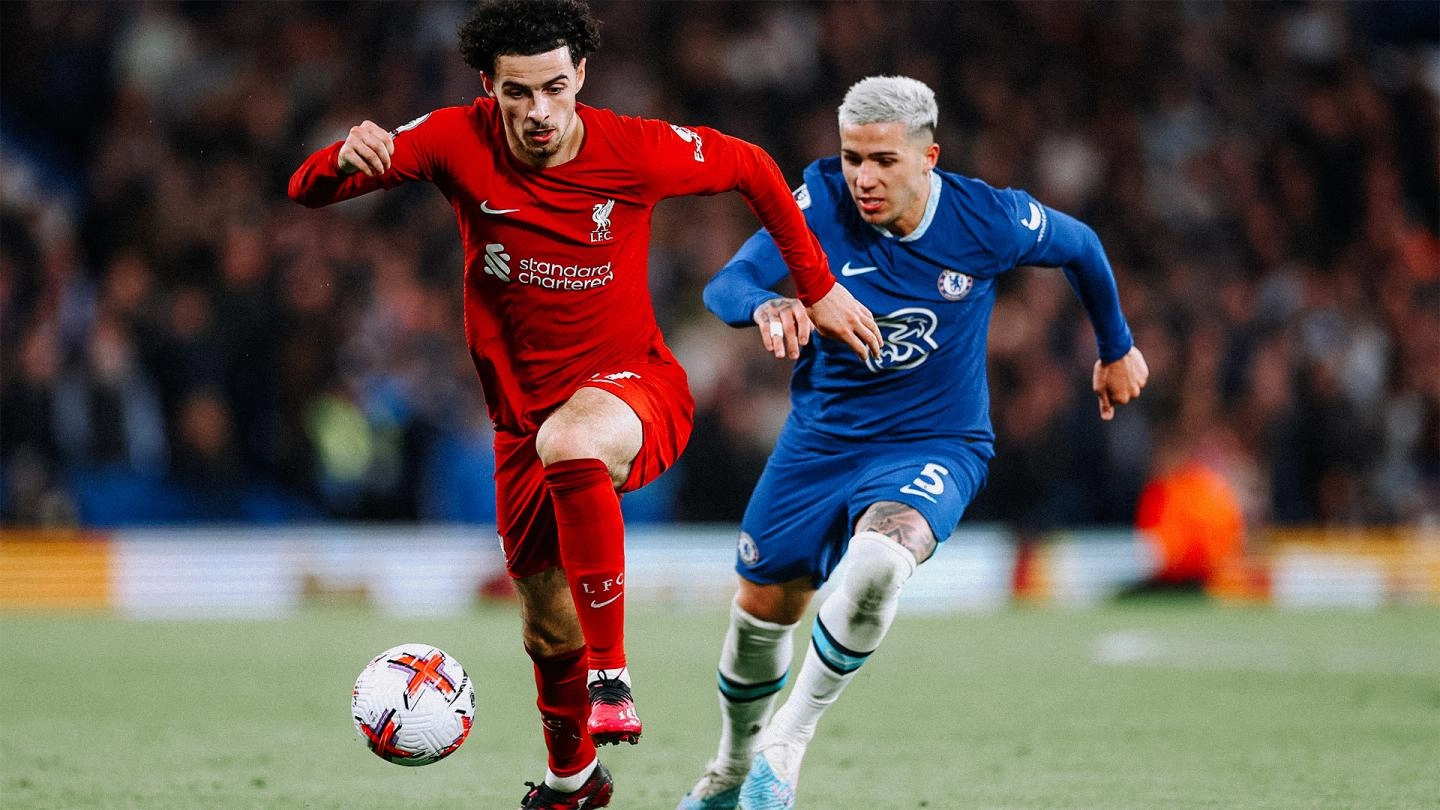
1140 706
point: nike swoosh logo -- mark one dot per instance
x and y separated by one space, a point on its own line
486 209
848 271
1035 216
595 604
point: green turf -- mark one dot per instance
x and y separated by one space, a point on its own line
1205 708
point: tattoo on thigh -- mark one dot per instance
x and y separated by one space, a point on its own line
900 523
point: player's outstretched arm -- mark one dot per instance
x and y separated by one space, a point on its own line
839 316
1118 382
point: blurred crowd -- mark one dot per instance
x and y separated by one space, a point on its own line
180 342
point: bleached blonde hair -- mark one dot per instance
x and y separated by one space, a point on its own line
886 99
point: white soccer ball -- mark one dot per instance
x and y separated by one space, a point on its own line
413 704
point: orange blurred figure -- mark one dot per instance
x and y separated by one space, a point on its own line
1193 519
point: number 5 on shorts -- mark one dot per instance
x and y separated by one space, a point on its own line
928 483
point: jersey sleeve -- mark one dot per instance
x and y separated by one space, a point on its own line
318 181
746 281
1012 224
1025 232
700 160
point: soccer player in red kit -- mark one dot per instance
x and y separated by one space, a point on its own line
553 200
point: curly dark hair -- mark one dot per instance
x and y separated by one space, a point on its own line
526 27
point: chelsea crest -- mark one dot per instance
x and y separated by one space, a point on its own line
954 285
749 553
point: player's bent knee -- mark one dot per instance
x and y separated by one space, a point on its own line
878 567
592 424
575 440
563 441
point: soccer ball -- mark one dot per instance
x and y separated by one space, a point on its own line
413 704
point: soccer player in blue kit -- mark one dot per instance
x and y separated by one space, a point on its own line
879 458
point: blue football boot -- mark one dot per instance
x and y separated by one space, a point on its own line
766 787
718 789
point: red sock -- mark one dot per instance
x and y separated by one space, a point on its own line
564 702
592 549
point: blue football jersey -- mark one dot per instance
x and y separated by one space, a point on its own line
931 292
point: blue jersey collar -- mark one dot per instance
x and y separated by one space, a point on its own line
930 206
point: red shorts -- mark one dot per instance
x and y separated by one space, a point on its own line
658 393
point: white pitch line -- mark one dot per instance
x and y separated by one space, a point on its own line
1146 648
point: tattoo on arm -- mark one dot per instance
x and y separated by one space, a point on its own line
902 524
774 307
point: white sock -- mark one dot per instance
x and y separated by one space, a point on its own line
850 626
622 674
571 783
754 665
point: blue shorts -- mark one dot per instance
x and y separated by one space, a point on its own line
803 510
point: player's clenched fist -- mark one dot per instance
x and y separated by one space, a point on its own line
1120 381
367 149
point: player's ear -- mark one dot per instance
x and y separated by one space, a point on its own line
486 83
580 75
932 155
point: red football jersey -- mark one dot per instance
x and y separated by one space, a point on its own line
556 259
